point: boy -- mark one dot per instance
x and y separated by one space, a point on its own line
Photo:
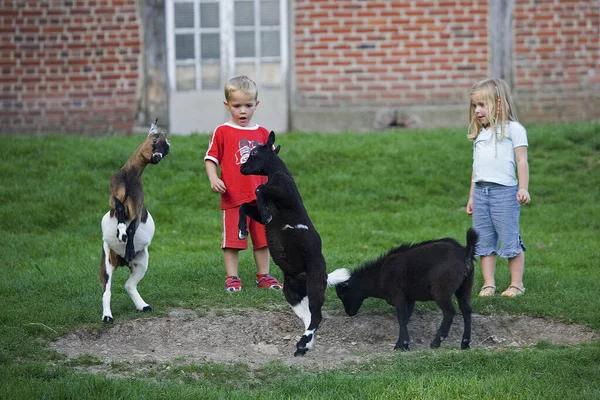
229 147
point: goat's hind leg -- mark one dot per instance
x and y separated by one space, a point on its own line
106 273
463 295
315 296
138 266
306 342
295 294
449 313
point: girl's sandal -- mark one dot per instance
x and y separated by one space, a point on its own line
487 291
513 291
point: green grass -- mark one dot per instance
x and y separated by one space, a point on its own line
365 194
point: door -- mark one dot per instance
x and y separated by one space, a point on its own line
208 42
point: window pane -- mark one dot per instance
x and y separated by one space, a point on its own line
244 44
270 74
185 76
269 12
184 15
184 47
211 76
209 15
247 69
210 46
269 44
244 13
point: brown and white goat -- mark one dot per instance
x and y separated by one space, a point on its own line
128 228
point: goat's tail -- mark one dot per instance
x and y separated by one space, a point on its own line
338 276
472 237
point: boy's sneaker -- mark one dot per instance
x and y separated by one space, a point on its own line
266 281
233 284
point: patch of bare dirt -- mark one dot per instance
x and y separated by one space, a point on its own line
256 338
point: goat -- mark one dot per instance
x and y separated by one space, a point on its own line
432 270
293 241
128 228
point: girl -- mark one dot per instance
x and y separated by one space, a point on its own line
499 146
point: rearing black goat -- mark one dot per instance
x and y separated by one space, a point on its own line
294 243
432 270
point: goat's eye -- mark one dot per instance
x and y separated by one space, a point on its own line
254 152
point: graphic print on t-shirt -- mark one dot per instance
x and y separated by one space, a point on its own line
241 156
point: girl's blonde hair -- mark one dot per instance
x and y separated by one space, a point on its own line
243 84
501 108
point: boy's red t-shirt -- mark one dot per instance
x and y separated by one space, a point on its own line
229 148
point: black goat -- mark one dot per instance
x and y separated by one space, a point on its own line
427 271
294 243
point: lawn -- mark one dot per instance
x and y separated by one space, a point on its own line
365 194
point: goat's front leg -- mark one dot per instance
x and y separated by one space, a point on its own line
449 313
129 247
139 266
121 222
261 204
402 313
246 210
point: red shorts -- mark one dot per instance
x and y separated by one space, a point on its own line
256 231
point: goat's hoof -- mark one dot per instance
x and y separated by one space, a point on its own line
242 235
465 346
300 352
434 345
146 309
107 319
401 348
304 344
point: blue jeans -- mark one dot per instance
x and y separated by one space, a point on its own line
496 213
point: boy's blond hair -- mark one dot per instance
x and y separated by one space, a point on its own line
501 108
242 84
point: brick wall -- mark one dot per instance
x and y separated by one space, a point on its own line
359 57
76 66
557 59
383 52
69 66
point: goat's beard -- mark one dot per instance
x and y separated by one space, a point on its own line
156 157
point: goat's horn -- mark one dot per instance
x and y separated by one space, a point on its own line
154 126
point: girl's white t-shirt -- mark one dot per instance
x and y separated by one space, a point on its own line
495 162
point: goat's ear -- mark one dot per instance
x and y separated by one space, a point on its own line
271 139
277 149
154 126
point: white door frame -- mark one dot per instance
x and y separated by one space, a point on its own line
201 110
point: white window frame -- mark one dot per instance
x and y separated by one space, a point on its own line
226 30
